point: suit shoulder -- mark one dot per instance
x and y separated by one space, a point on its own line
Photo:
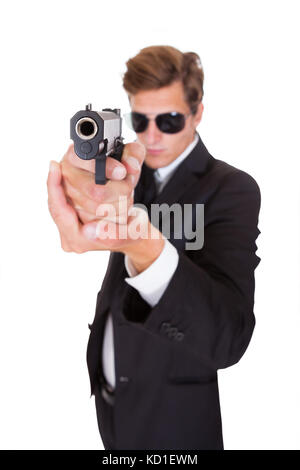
230 176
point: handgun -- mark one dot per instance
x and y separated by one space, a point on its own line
97 135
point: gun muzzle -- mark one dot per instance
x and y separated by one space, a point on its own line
86 128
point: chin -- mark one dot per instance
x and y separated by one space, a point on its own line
156 161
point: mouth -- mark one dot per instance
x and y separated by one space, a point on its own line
154 151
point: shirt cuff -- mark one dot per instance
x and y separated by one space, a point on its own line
152 283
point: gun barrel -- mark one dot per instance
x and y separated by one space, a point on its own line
86 128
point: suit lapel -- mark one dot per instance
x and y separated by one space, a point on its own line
185 176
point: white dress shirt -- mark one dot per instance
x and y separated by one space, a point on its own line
153 281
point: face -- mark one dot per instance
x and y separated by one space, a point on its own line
162 148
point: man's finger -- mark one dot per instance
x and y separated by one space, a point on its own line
133 157
114 169
75 237
78 198
62 213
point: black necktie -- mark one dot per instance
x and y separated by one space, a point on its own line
149 187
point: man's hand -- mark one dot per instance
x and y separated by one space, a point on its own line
136 237
86 196
129 231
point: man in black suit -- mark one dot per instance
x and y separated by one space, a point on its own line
168 315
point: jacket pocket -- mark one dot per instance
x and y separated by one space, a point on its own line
184 368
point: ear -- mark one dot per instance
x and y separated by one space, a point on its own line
198 115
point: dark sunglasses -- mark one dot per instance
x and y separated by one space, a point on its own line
170 123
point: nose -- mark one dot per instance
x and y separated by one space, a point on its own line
152 133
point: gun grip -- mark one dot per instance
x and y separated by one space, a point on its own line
118 151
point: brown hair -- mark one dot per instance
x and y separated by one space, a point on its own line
158 66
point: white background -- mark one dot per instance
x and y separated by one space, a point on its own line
56 57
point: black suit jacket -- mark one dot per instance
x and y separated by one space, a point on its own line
167 357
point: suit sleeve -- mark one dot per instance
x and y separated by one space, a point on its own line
207 308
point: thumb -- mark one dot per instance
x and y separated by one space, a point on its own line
90 230
54 172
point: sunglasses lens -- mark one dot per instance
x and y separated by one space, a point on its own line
139 122
170 123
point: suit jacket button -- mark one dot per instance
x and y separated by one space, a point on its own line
172 332
124 378
179 336
165 327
